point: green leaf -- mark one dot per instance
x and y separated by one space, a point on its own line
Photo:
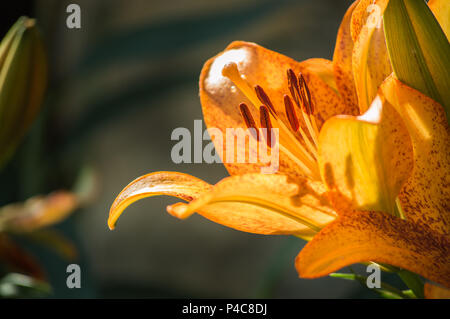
413 282
418 49
385 291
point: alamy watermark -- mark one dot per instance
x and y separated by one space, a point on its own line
74 279
73 20
235 145
374 279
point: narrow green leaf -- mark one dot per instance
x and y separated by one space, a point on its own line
418 49
385 291
413 282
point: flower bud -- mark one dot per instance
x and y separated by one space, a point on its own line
23 79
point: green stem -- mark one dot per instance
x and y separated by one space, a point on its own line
393 292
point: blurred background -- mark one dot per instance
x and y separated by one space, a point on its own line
117 88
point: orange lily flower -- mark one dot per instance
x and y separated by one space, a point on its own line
364 158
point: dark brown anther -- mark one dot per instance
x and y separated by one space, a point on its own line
293 86
262 96
306 95
290 112
304 103
248 119
265 123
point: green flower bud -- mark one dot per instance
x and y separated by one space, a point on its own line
23 79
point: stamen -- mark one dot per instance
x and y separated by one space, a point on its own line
262 96
305 158
290 112
293 86
248 118
266 123
308 109
293 120
309 171
307 94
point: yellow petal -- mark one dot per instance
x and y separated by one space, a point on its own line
373 236
259 66
342 60
370 57
365 160
441 10
436 292
263 204
175 184
37 212
425 196
362 13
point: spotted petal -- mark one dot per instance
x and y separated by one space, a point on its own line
372 161
441 10
259 66
256 203
378 237
175 184
370 57
425 196
263 204
342 60
436 292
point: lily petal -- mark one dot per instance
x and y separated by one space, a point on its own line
37 212
378 237
441 10
372 162
263 204
361 14
175 184
342 60
436 292
425 196
370 57
259 66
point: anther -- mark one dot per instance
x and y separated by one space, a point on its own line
290 112
262 96
293 85
248 119
265 123
306 95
